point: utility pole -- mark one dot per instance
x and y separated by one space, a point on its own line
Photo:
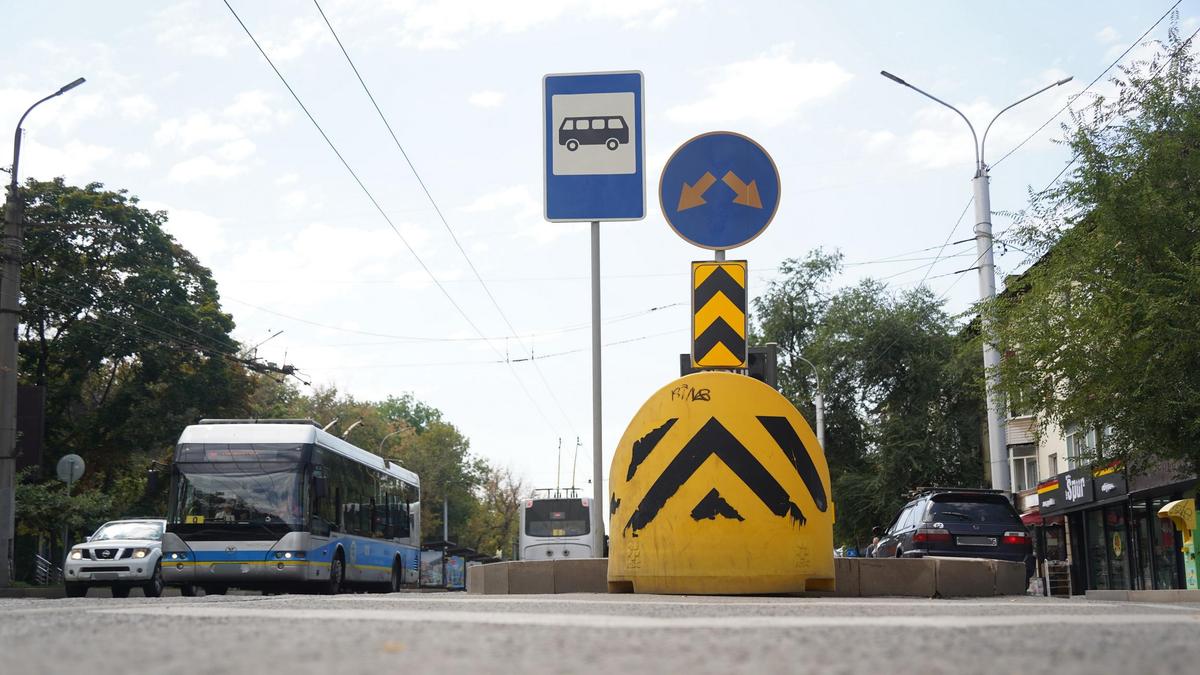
997 442
10 296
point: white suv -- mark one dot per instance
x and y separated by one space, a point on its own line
121 554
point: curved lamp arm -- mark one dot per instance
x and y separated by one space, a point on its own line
1013 105
926 94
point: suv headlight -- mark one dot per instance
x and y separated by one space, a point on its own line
141 552
76 554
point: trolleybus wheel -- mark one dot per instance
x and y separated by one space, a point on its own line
337 575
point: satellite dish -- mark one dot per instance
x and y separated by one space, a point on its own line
70 468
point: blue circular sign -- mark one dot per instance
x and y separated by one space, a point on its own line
719 190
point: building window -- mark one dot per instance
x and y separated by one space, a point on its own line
1023 460
1053 464
1081 447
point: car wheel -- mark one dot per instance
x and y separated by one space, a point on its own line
154 587
188 591
120 591
76 590
612 144
337 575
572 145
899 552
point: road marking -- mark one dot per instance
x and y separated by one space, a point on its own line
612 621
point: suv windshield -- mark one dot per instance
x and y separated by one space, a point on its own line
129 530
969 509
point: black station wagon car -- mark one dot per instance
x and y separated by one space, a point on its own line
957 523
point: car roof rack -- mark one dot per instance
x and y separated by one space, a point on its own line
922 491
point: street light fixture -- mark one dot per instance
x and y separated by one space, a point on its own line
10 291
818 403
997 447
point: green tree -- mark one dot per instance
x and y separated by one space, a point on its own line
901 386
494 527
124 328
1102 331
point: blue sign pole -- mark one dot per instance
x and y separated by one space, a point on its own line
595 170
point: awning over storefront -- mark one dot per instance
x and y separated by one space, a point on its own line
1032 519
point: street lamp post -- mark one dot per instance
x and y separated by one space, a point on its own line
10 292
818 403
997 447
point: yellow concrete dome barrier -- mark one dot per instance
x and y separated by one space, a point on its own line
719 487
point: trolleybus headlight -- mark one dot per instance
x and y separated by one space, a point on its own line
141 552
76 554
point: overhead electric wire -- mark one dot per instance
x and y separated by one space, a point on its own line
1089 86
490 362
442 217
381 211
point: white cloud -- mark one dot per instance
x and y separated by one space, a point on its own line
136 160
876 140
294 200
195 128
202 234
236 151
448 24
486 99
288 178
74 160
1107 35
254 110
189 27
293 41
765 89
203 167
339 252
137 107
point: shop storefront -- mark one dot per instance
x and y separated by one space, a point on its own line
1113 537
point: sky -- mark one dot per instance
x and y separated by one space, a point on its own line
182 110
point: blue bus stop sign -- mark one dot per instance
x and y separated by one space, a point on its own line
595 158
719 190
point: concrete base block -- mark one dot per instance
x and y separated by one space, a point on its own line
846 573
495 579
581 575
475 574
1010 577
911 577
530 576
964 577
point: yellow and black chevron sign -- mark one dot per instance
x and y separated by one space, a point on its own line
719 314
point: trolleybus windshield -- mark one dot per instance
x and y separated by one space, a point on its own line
556 518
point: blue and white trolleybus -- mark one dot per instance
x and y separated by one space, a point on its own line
283 505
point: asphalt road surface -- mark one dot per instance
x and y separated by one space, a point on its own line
612 634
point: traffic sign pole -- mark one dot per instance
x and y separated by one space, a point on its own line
597 430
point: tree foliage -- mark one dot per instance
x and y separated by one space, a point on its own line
124 328
1102 331
901 385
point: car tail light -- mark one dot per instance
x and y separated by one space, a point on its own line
931 536
529 503
1018 538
